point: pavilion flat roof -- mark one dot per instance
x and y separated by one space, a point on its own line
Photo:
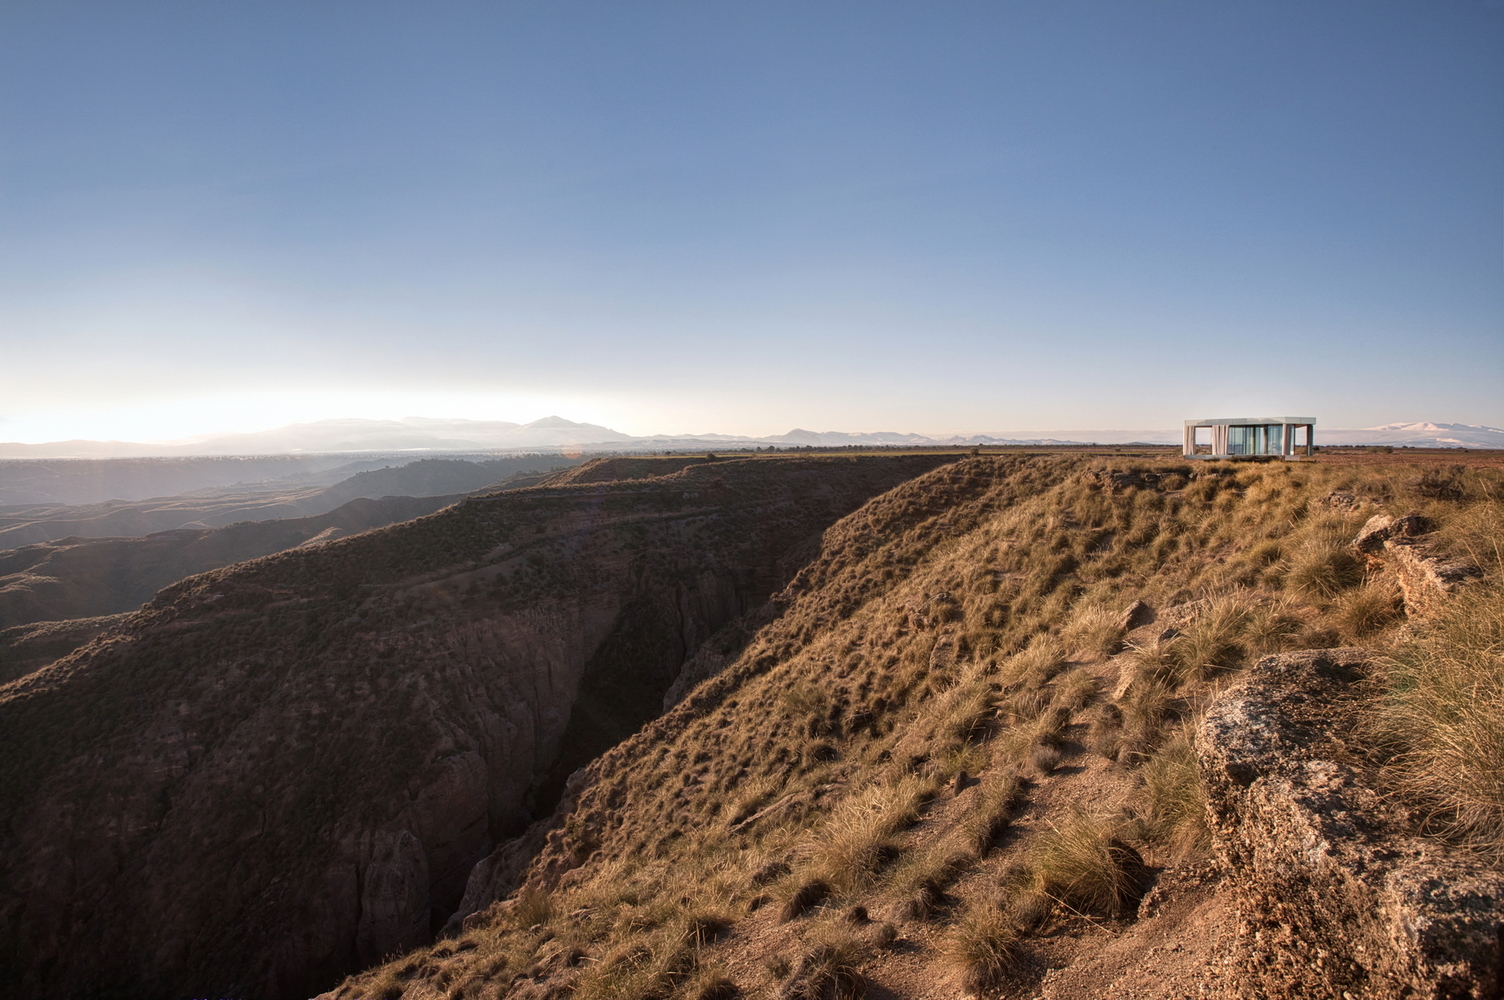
1250 421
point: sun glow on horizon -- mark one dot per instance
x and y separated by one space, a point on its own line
187 419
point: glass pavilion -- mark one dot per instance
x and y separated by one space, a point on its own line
1232 437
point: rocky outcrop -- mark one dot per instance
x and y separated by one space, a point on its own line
1406 547
1426 577
1343 500
1381 527
1336 898
1135 615
1121 480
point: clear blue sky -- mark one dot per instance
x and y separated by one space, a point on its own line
743 217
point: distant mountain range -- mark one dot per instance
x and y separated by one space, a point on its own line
346 435
1422 434
424 434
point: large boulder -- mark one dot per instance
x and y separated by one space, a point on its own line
1336 897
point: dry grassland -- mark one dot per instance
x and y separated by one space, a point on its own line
949 766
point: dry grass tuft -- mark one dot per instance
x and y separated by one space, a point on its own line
921 880
389 985
1474 532
534 907
1443 717
1031 743
1104 735
1029 703
923 901
707 979
1146 706
1210 642
1155 661
971 713
829 970
1075 690
1271 626
1034 667
1171 800
1368 609
806 897
705 928
858 839
1029 908
638 967
1044 758
991 809
1083 865
1093 629
982 949
1230 630
712 986
1323 567
881 935
770 872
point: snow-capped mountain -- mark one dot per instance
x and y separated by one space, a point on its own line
1421 434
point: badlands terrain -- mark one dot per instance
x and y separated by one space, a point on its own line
907 725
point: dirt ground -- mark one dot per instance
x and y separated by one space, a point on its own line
1178 947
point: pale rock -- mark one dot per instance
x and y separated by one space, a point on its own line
1318 864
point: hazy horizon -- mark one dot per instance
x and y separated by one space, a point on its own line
742 219
554 434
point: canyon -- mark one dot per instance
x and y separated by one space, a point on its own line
1019 725
279 772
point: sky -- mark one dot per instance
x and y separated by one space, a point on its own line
743 217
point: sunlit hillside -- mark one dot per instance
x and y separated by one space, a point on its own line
964 751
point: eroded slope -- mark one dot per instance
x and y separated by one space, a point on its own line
284 770
959 758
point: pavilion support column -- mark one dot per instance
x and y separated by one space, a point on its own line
1287 440
1189 448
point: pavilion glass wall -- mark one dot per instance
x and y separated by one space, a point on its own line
1256 439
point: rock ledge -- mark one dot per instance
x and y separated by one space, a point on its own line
1334 898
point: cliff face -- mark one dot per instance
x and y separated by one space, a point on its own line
284 770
